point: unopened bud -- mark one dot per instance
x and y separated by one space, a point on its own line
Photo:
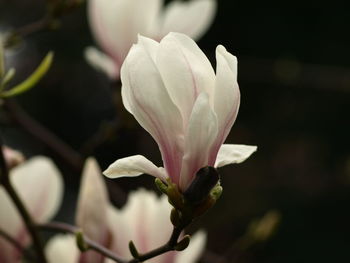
183 244
81 241
12 157
262 229
133 250
206 178
175 197
161 186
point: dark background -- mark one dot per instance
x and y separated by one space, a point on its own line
294 75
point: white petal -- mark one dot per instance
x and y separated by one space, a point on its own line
194 250
39 184
134 166
116 24
101 62
192 18
146 97
233 153
227 96
62 248
185 70
92 203
202 131
144 219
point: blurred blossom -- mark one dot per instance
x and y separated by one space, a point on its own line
12 157
144 219
40 186
172 90
262 229
115 25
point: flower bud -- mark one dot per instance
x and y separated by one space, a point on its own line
206 178
183 244
133 249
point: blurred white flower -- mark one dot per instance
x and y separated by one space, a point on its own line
171 89
39 184
115 25
144 219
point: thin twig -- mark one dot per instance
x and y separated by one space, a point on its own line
27 219
169 246
40 133
28 29
16 244
66 228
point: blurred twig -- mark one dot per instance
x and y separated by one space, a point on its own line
40 133
16 244
66 228
27 219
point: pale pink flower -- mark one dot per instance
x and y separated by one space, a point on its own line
39 184
115 25
144 219
172 90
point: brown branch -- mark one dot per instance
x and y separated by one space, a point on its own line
17 245
66 228
65 152
27 219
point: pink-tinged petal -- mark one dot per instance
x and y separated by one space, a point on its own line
227 96
144 220
192 18
116 24
62 249
185 70
39 184
202 131
145 96
134 166
194 250
101 62
234 153
103 24
92 208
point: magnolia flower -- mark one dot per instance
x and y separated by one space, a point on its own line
115 25
39 184
173 92
144 219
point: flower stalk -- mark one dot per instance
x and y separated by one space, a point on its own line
27 219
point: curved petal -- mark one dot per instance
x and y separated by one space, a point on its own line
134 166
39 184
103 23
144 220
62 248
227 96
202 131
116 24
194 250
92 205
234 153
192 18
185 70
101 62
147 99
